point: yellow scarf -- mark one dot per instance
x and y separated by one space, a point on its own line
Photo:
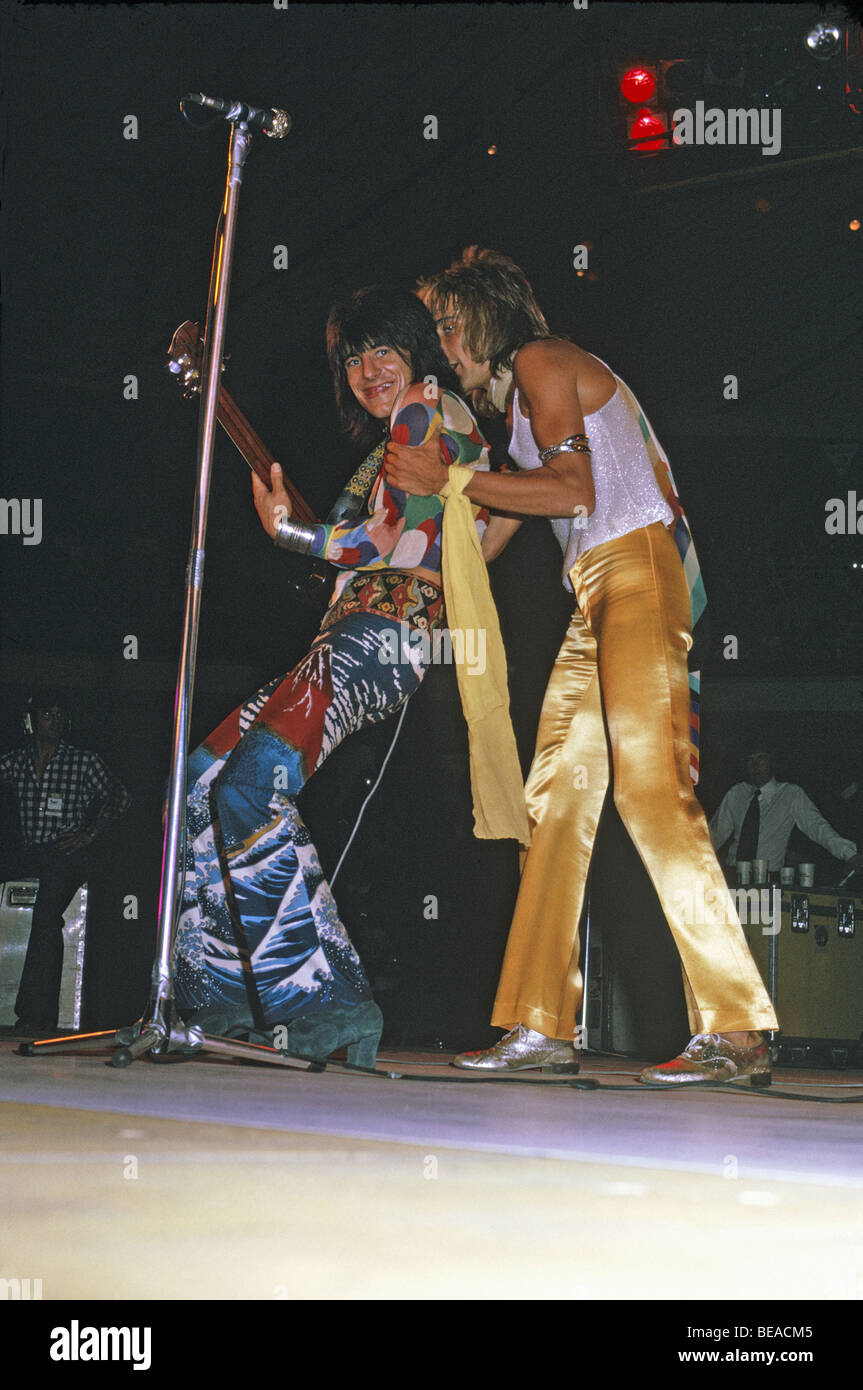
495 773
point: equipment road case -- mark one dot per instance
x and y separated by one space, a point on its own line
17 897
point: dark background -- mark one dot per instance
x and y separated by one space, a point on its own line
703 262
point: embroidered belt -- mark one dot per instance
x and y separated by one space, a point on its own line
392 594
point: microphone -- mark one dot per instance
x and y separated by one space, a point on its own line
271 121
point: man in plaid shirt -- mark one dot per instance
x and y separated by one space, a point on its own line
65 798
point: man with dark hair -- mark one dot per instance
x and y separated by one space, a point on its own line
759 814
619 694
65 799
260 943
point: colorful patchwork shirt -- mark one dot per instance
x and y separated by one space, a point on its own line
401 531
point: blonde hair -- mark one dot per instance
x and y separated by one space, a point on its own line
493 299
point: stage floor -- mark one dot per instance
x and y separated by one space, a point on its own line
216 1179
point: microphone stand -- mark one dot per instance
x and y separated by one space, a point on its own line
160 1033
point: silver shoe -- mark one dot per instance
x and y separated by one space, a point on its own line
707 1059
519 1050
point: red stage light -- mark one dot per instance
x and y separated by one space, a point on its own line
638 84
645 125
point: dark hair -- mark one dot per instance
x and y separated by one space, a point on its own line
382 316
760 749
493 297
42 699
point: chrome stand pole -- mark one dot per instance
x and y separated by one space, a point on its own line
160 1033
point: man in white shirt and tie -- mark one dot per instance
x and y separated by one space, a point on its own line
762 830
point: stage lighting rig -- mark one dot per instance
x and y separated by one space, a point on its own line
649 92
739 95
643 107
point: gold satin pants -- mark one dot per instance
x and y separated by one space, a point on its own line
620 688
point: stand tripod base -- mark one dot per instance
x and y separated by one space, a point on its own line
179 1043
182 1043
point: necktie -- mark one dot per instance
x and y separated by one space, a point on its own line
747 845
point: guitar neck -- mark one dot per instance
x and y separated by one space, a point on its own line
256 453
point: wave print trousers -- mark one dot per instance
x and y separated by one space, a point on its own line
259 928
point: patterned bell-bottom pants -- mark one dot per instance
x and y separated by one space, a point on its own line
259 928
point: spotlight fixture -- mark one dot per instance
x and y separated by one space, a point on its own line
648 131
639 100
638 84
823 39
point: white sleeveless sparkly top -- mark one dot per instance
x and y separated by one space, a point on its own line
627 493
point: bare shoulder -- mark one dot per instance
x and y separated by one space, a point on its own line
557 360
545 354
558 355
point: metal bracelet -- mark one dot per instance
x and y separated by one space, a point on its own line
574 444
294 535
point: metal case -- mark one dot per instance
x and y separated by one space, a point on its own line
813 966
17 897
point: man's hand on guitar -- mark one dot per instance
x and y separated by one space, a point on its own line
271 503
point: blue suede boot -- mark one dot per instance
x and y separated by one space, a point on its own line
357 1027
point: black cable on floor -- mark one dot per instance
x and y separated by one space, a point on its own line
588 1083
